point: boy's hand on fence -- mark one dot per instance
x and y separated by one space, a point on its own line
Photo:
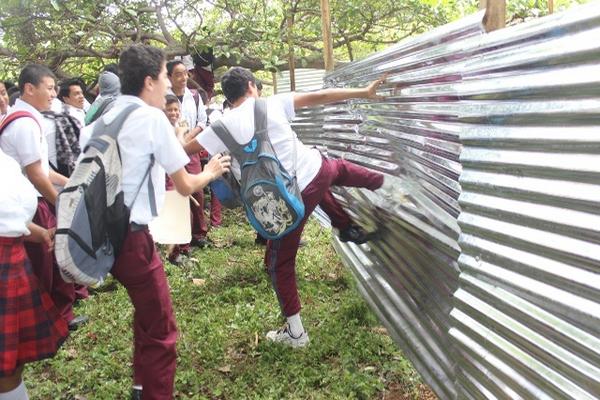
373 86
218 165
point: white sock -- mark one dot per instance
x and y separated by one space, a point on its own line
18 393
295 324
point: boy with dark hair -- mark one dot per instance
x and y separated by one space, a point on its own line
71 93
146 142
193 112
24 141
315 175
197 220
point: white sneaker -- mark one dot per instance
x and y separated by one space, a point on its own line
284 336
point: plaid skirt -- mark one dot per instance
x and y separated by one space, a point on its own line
30 326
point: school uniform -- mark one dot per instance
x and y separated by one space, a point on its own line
31 327
139 268
315 175
24 141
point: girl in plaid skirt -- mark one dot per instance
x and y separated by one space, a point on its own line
30 327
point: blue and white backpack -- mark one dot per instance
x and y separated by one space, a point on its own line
269 194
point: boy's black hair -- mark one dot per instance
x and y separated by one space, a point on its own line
8 85
170 99
65 87
12 99
235 83
33 73
171 66
12 90
112 67
136 63
259 85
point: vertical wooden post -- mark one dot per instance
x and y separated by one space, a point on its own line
327 39
291 60
274 74
550 6
495 14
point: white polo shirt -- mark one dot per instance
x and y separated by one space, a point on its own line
23 139
146 131
195 116
19 202
280 111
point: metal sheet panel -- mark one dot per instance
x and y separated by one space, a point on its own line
412 268
487 267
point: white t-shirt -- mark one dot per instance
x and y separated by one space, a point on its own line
195 116
19 202
49 128
77 113
146 131
23 139
280 111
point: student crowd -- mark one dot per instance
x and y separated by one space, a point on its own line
44 132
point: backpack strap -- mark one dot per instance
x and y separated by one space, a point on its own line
223 133
113 128
260 118
14 116
262 132
196 97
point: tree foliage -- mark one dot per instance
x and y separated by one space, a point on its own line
76 37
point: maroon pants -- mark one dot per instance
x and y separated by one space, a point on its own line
44 265
215 210
280 256
141 272
199 225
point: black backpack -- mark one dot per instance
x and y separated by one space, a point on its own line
270 195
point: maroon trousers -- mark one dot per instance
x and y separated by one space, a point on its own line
215 210
141 272
44 265
280 256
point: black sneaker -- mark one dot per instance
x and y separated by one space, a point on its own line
136 394
260 240
200 243
355 234
78 321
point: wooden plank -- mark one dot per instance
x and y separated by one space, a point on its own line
327 38
291 59
495 14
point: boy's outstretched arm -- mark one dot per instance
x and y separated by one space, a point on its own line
334 95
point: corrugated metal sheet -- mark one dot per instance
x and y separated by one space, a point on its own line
307 79
487 269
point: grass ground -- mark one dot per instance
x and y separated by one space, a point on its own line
224 306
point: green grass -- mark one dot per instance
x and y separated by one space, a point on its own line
222 353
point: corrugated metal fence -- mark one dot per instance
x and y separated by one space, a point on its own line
487 269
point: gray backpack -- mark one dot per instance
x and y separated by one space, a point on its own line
92 217
270 195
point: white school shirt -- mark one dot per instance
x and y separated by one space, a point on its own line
23 139
49 129
77 113
19 201
195 116
146 131
280 111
